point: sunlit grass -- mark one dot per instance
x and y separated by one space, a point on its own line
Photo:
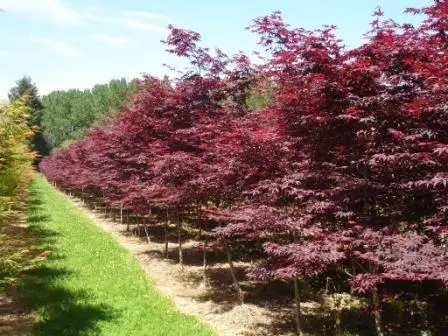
89 285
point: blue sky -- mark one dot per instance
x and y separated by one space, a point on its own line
65 44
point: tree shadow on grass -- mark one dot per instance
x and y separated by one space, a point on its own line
62 311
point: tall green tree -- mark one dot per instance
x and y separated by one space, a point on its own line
68 114
15 155
25 88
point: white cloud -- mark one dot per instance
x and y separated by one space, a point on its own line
147 16
109 39
139 25
54 10
62 12
57 46
3 54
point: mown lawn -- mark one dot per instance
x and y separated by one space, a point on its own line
89 285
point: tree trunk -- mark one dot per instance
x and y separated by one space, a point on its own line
167 223
138 229
148 238
377 312
121 213
298 313
179 238
127 219
232 272
204 263
327 285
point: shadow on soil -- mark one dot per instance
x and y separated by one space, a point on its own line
64 312
277 296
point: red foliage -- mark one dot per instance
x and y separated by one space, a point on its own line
348 162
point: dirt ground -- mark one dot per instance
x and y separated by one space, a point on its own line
215 303
15 319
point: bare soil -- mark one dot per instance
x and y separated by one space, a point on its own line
267 310
15 318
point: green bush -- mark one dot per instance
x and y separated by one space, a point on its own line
16 172
15 155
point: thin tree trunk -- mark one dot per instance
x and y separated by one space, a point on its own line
127 219
377 312
179 238
204 257
298 313
138 229
204 262
148 239
167 223
114 215
102 203
232 272
327 285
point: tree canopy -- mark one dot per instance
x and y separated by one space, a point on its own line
68 114
15 154
342 171
25 88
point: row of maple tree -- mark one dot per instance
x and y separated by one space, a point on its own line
345 168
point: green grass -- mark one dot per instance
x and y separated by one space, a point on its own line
89 285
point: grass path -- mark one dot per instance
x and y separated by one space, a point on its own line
89 285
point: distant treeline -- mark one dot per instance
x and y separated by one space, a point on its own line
68 114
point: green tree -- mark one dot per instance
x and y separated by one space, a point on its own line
68 114
16 172
26 88
15 154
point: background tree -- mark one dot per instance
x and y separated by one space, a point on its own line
68 114
26 87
